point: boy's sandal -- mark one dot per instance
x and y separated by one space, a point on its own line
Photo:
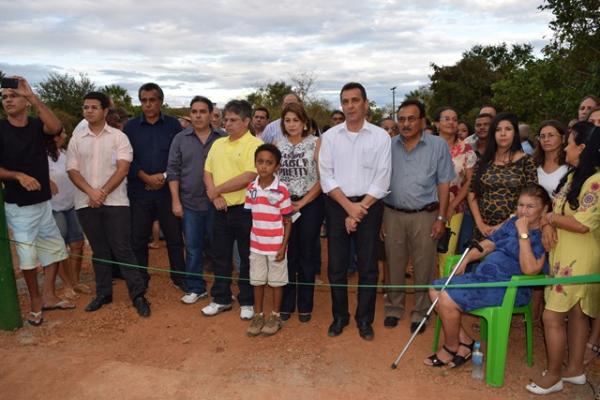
436 362
35 318
459 360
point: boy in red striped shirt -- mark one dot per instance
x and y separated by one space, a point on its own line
271 206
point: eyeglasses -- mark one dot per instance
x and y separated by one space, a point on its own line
411 120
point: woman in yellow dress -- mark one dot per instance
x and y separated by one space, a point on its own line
572 233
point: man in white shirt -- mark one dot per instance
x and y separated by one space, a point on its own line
98 161
355 170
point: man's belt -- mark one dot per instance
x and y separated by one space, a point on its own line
429 208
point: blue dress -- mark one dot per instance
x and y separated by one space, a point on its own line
498 266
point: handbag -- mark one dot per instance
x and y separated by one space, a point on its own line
442 244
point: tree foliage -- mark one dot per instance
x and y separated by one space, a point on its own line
65 92
467 85
119 95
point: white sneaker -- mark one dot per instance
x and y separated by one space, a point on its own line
246 312
215 308
191 298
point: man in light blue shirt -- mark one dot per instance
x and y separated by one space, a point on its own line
414 213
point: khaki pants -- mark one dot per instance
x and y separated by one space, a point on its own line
407 236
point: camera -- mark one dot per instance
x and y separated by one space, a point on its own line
9 83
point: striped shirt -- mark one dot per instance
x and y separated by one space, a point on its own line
268 206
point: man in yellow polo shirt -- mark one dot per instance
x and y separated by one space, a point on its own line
229 168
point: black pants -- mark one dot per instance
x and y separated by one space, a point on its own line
108 229
229 226
143 215
338 248
301 256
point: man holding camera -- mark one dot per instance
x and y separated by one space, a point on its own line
24 172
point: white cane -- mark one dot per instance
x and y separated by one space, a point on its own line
470 245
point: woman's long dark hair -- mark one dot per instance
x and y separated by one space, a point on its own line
51 147
492 147
589 160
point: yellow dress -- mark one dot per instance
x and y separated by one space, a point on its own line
577 253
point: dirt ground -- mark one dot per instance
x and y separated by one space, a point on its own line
179 354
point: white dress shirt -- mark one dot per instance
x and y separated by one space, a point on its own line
95 157
359 163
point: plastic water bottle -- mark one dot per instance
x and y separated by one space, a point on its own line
477 358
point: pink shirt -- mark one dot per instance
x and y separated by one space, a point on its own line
268 206
95 157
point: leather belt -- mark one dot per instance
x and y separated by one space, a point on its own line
356 199
429 208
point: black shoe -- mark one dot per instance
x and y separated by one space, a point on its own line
141 305
336 327
365 330
284 316
390 322
415 325
304 318
97 303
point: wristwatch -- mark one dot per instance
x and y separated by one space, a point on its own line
523 236
442 218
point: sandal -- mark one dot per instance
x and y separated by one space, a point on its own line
436 362
35 318
595 349
61 305
459 360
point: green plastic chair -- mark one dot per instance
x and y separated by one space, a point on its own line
495 327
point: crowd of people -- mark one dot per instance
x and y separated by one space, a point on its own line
255 193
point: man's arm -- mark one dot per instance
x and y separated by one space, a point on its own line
443 191
176 206
117 177
96 196
28 182
52 125
217 200
236 183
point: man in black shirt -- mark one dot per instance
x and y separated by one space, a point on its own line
24 172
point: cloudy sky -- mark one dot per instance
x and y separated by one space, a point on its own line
226 49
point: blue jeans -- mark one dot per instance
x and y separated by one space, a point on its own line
196 224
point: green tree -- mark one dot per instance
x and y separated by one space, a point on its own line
65 92
467 85
119 95
270 96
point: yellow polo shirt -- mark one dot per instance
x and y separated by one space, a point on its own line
229 158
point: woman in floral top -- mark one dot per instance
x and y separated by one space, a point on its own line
463 159
298 170
572 233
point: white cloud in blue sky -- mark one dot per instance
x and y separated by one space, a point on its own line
225 49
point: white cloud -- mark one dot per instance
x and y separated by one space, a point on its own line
223 49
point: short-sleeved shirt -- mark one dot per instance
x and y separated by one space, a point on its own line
416 173
298 168
186 165
22 150
95 157
229 158
268 206
65 198
150 144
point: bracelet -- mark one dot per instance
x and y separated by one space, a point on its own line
442 218
551 220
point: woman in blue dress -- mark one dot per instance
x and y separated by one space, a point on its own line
514 249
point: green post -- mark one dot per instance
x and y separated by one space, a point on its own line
10 313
